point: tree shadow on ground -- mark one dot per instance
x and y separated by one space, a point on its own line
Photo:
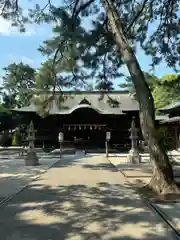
101 166
102 210
75 212
142 170
139 175
14 174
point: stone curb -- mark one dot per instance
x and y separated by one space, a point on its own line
118 169
166 219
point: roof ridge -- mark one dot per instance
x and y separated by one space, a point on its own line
85 92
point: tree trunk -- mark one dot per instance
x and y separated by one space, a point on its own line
163 179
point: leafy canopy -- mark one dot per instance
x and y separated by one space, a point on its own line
151 80
167 90
18 83
83 53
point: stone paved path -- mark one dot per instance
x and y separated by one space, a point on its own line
80 198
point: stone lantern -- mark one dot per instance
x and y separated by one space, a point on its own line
31 158
134 156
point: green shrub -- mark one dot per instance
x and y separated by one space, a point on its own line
14 143
16 139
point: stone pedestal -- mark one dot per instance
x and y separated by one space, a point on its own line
134 156
31 159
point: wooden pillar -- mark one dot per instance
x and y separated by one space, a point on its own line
108 137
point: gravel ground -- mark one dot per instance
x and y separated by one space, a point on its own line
14 175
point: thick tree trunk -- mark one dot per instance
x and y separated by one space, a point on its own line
163 179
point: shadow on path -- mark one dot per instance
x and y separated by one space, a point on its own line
102 210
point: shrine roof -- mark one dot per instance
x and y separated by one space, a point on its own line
170 107
114 102
172 120
162 118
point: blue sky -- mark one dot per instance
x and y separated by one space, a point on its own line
16 47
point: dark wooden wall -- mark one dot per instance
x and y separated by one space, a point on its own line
119 125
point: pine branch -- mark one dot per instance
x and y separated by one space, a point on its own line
137 16
10 4
75 14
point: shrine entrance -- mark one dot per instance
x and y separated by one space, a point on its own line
85 135
85 127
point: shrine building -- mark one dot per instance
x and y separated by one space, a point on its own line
84 117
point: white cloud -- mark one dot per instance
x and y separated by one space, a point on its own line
7 30
27 60
24 59
33 62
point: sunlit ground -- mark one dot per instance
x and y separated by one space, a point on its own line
83 198
14 174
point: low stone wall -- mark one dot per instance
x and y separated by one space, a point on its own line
15 148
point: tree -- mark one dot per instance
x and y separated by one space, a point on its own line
44 77
166 90
19 82
117 27
9 120
172 78
74 73
104 85
151 80
8 101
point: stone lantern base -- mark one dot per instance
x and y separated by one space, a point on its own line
134 156
31 159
